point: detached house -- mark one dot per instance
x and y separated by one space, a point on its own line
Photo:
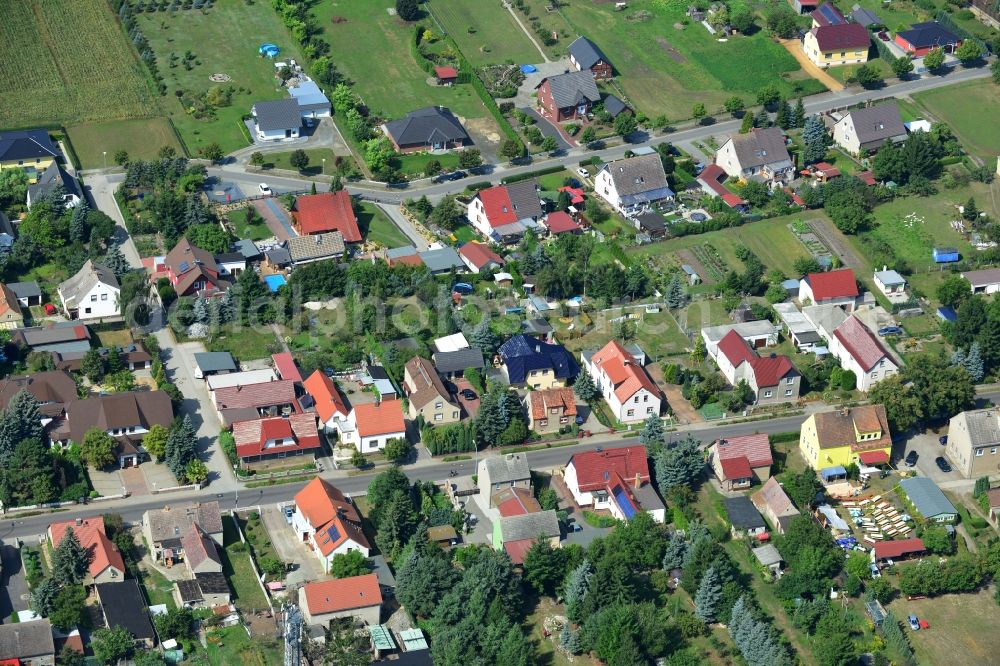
277 120
11 316
105 563
831 288
329 211
586 56
164 528
529 362
921 38
370 426
496 473
90 294
479 257
772 378
569 96
974 442
760 153
839 44
739 461
125 416
192 270
550 409
616 480
356 597
277 437
626 387
861 352
328 522
775 505
430 128
503 213
31 150
630 185
986 281
866 130
427 394
55 179
842 437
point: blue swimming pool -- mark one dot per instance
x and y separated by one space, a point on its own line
274 282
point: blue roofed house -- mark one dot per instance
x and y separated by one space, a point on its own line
311 100
31 150
527 361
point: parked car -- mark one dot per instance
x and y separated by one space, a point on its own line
911 459
468 394
942 464
914 622
943 440
264 189
583 172
288 511
454 175
875 572
890 330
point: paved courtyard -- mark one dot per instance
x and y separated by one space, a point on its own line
307 566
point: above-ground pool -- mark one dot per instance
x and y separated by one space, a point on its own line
274 282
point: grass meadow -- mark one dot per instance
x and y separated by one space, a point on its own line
141 139
966 109
68 62
485 31
378 228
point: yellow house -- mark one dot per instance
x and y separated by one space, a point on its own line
858 435
11 316
532 363
31 150
832 45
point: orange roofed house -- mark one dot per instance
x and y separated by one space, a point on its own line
277 437
357 597
329 211
626 387
369 427
738 461
328 522
106 564
616 480
329 404
550 409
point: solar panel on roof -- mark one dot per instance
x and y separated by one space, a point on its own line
625 503
333 533
184 266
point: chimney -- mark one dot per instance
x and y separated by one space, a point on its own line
638 480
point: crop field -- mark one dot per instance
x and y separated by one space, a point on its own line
667 63
966 109
221 40
141 139
485 31
67 61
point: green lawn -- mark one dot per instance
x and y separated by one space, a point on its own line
244 342
658 334
259 231
158 588
316 165
247 593
551 182
141 139
223 40
465 233
414 164
961 628
485 31
966 109
376 227
231 645
844 72
68 62
373 50
664 69
549 22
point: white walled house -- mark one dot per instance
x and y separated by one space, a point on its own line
615 480
859 351
369 427
330 406
327 522
830 288
624 384
277 120
760 152
90 294
629 185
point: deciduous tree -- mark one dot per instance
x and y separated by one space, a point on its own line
97 448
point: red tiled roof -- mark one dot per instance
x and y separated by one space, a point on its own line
735 468
93 537
874 457
888 549
833 284
324 392
866 177
623 371
479 254
267 394
770 370
330 536
343 594
284 363
733 200
860 343
560 222
198 547
329 211
826 168
575 193
516 502
446 72
518 549
379 418
251 436
408 260
497 205
563 400
755 448
736 349
841 37
320 502
594 468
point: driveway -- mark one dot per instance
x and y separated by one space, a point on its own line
276 218
15 595
928 448
134 480
106 482
178 360
469 407
292 551
323 135
100 191
404 225
794 47
547 128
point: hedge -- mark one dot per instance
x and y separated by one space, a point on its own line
944 18
534 174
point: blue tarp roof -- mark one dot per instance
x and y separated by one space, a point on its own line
947 313
833 472
308 93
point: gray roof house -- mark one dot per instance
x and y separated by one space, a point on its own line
430 128
164 528
315 247
213 363
454 363
79 293
442 260
29 642
278 118
865 130
52 178
62 337
974 442
586 55
529 526
928 499
864 17
631 184
499 472
568 95
744 517
760 152
27 293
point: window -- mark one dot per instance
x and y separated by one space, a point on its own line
645 398
788 391
630 412
980 452
93 298
767 393
86 311
534 372
790 380
104 297
993 451
636 399
438 417
438 405
563 419
649 410
543 422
